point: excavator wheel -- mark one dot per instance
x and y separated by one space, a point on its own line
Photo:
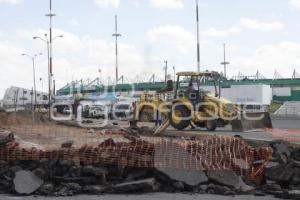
180 117
211 125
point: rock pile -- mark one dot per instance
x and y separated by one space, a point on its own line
66 178
282 176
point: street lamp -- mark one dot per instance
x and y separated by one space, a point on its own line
166 70
225 63
198 36
33 69
47 41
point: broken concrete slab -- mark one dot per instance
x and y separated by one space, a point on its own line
296 154
294 194
46 189
281 173
282 151
189 177
243 187
224 177
94 171
95 189
146 185
26 182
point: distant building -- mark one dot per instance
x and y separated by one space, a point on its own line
21 97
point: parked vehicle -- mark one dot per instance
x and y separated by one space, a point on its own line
98 111
123 110
67 111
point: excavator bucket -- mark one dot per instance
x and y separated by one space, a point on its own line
252 121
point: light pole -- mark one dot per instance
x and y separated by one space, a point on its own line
116 35
166 70
33 69
47 41
225 63
198 37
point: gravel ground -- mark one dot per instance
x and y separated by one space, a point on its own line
154 196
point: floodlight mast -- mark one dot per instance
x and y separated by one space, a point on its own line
116 35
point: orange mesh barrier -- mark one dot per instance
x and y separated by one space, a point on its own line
207 153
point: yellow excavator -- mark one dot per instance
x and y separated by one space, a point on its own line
189 105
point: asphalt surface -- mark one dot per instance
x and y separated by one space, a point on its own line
154 196
280 125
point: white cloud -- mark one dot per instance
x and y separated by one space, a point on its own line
173 36
75 57
260 25
106 3
213 32
283 56
167 4
295 3
11 1
73 22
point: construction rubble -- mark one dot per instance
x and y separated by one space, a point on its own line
211 164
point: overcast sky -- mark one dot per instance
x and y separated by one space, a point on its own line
260 34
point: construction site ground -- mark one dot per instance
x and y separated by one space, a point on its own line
38 130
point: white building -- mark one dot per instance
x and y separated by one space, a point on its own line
245 94
21 97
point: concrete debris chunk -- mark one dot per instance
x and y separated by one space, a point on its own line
243 187
94 171
146 185
281 173
294 194
224 177
95 189
189 177
296 154
46 189
26 182
6 137
282 151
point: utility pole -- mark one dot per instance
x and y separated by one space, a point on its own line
50 15
198 36
116 35
225 63
46 40
54 89
166 70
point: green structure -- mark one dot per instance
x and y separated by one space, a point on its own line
290 85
